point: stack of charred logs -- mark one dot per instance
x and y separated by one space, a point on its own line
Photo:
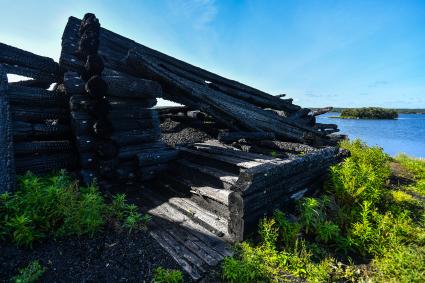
117 134
39 138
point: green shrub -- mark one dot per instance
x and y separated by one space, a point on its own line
29 274
357 215
55 206
162 275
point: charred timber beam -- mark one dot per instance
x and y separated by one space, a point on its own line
151 157
7 163
45 163
162 110
38 114
287 146
321 111
21 95
29 131
15 56
31 73
43 147
126 86
31 83
229 137
263 176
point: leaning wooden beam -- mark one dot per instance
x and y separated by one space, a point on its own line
15 56
7 164
226 109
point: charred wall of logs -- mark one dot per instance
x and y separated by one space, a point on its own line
35 134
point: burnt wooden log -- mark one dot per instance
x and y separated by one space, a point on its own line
28 131
196 114
31 83
7 163
21 95
149 157
45 163
266 175
43 147
131 151
39 114
126 86
132 113
163 110
325 126
88 104
15 56
73 83
40 76
321 111
229 137
85 127
287 146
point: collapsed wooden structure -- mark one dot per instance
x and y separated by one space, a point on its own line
255 152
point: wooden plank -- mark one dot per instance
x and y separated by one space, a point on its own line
7 163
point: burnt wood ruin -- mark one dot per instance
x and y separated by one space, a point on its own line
207 171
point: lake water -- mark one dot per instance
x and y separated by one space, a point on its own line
405 134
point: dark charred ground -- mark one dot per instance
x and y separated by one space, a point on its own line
110 256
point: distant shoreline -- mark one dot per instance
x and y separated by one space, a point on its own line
398 110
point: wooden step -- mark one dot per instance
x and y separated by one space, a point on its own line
205 175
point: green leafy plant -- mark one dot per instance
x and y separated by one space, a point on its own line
162 275
30 273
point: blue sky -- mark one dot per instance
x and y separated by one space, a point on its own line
340 53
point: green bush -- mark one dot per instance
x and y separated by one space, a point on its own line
29 274
162 275
55 206
358 215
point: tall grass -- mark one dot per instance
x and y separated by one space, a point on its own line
357 230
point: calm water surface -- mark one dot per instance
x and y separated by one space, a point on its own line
405 134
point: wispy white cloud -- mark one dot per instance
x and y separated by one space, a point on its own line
199 12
